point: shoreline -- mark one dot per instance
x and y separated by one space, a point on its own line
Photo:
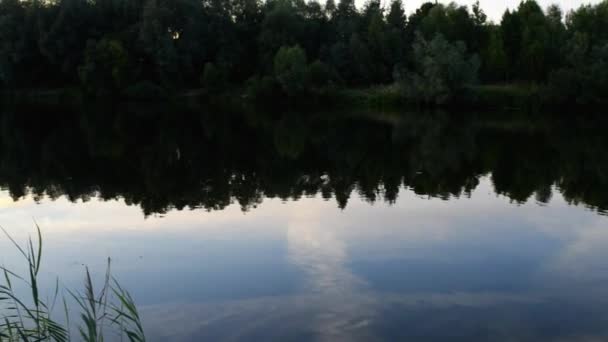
487 96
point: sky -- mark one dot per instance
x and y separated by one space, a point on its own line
495 8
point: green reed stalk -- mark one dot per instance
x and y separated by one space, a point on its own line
25 320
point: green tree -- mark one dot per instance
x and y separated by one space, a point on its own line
290 70
415 19
453 22
396 18
533 58
12 15
556 31
105 67
479 16
481 33
361 62
346 19
442 69
248 16
585 77
376 44
157 37
511 33
591 20
213 78
495 61
64 40
175 43
320 74
396 21
330 8
283 25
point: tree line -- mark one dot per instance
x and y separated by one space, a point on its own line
293 46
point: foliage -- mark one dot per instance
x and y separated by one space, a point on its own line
33 319
494 58
321 74
585 81
108 46
522 96
583 76
145 91
261 88
213 78
290 70
105 66
442 69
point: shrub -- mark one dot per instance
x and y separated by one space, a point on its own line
105 66
213 78
441 69
261 88
320 74
145 90
585 80
290 70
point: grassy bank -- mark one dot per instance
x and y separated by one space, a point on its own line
521 96
378 96
53 97
493 96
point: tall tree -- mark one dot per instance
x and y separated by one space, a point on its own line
396 17
157 38
511 33
330 8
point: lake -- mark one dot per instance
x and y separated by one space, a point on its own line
343 226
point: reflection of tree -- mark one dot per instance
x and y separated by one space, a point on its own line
162 159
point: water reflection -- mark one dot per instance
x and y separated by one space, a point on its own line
346 309
165 159
366 226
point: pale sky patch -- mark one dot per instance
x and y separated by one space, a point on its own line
493 8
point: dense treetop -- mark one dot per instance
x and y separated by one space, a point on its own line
111 46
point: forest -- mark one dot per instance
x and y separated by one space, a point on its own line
295 48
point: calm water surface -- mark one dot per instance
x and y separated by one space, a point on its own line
325 226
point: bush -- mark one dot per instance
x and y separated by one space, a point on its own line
213 78
105 66
584 81
320 74
145 90
441 69
260 88
527 96
290 70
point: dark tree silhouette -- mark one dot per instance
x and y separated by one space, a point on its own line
110 46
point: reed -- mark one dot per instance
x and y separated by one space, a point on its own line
108 310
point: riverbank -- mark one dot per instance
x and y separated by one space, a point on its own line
492 96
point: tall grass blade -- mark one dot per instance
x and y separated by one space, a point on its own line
39 256
129 311
67 316
36 324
